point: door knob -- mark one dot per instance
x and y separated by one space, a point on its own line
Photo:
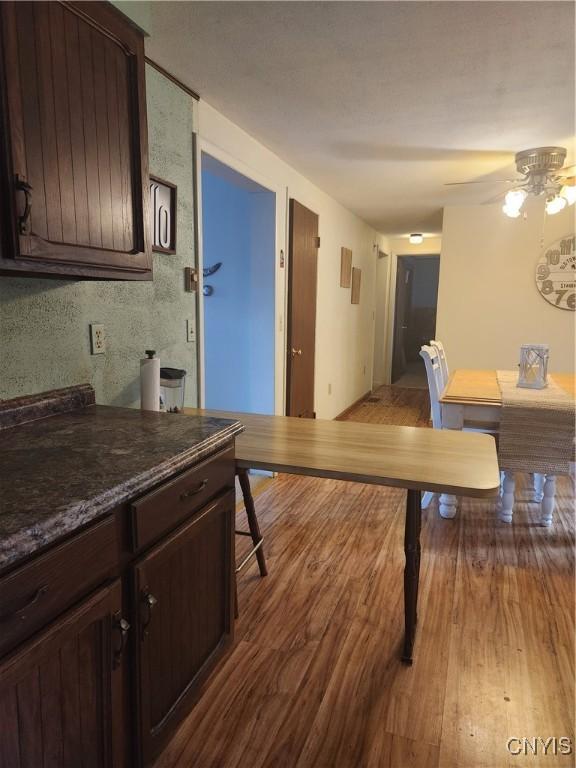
296 352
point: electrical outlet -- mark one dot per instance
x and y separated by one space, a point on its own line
97 339
190 330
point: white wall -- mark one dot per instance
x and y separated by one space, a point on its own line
488 303
344 332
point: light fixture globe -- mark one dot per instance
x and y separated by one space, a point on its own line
515 198
416 238
555 205
511 211
568 192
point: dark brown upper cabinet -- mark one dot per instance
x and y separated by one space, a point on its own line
74 166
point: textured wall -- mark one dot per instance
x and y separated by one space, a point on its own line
44 336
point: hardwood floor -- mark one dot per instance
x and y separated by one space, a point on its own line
314 679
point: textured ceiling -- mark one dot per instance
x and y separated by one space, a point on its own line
380 103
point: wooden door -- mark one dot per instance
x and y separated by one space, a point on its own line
184 594
302 280
77 177
61 694
401 317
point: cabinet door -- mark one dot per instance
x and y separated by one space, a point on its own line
76 118
61 693
184 592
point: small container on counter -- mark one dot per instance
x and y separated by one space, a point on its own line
172 386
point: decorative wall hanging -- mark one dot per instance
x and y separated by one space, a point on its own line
208 290
556 273
207 271
356 277
163 212
345 267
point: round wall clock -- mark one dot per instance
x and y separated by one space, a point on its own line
556 273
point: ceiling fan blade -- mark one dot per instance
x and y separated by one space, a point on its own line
500 197
482 181
568 172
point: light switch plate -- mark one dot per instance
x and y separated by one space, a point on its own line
190 330
97 339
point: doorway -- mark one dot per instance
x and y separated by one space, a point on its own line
302 280
238 238
414 317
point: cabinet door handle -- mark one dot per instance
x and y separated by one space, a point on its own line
121 626
148 603
296 352
28 604
24 220
193 491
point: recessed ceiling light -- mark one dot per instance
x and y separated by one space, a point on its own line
416 238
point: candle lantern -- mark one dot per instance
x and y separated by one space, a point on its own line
533 366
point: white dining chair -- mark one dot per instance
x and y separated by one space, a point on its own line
435 387
439 347
436 384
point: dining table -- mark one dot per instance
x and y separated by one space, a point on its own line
472 400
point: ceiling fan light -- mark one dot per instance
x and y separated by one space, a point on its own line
515 198
415 238
510 211
568 193
555 204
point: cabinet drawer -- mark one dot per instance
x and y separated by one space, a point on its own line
33 595
163 509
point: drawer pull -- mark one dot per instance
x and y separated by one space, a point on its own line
32 601
122 626
148 602
24 220
193 491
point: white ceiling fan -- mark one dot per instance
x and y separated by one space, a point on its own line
543 173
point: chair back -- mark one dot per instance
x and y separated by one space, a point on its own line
441 359
435 383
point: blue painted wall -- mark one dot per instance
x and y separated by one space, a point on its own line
238 229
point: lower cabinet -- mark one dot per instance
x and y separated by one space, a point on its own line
97 672
184 619
61 694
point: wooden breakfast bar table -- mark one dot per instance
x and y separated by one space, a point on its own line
414 458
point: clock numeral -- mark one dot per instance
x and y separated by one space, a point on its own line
547 287
542 272
559 295
553 256
571 301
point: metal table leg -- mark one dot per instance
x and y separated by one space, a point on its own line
254 531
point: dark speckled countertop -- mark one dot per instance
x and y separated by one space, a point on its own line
61 471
